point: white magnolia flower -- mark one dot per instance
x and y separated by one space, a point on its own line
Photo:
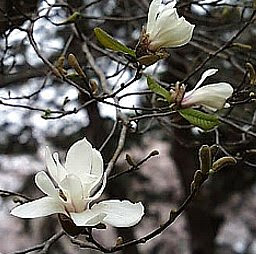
211 96
83 171
165 28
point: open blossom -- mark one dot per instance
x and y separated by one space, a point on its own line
211 96
76 181
165 29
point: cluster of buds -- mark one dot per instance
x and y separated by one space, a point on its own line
73 62
208 165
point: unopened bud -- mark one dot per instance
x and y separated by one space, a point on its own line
205 159
56 72
252 73
60 61
60 65
180 94
223 162
154 153
177 93
198 180
129 160
173 213
214 150
119 240
242 45
93 86
72 61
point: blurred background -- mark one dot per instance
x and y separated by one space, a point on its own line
37 109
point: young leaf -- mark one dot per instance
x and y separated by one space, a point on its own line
109 42
199 119
156 88
71 19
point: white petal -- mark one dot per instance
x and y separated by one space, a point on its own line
101 188
88 182
177 36
212 96
79 158
45 184
50 164
61 171
73 190
171 4
87 218
167 16
57 172
152 14
205 75
39 208
91 179
119 213
97 163
96 168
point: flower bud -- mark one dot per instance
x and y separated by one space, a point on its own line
205 159
60 65
198 180
72 61
119 241
252 73
154 153
93 86
223 162
129 160
214 149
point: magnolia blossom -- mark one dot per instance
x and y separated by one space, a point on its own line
211 96
76 181
165 29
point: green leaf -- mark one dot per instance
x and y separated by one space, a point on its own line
74 77
200 119
109 42
156 88
71 19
